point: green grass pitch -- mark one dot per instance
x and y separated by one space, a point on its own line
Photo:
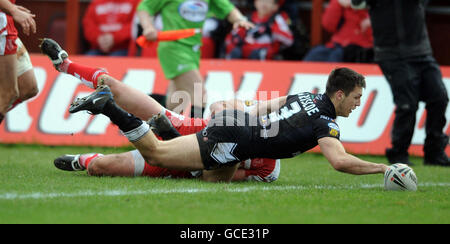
32 190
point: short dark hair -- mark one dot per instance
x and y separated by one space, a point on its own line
344 79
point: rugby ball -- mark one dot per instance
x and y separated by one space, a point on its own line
400 177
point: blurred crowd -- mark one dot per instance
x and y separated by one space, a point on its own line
111 27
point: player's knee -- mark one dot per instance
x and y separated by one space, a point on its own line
13 94
152 159
98 167
29 93
153 153
8 97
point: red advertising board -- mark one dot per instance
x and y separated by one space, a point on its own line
45 120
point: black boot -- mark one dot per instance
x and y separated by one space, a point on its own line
435 152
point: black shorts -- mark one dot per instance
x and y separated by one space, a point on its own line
226 140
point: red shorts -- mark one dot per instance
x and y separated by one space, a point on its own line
261 169
185 126
8 35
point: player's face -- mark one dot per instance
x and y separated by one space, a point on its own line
350 102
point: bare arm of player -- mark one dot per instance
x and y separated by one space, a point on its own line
253 107
148 29
6 6
334 151
21 15
266 107
232 104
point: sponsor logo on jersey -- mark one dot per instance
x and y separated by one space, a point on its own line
334 129
249 103
193 10
326 117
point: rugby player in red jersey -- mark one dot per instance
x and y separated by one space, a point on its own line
167 127
17 80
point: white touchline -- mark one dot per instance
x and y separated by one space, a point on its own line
125 192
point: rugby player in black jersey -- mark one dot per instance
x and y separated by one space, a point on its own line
280 128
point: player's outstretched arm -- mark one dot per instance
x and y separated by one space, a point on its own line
253 107
334 151
268 106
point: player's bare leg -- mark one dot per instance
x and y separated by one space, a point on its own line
132 100
181 153
121 164
96 164
133 164
26 79
9 90
27 85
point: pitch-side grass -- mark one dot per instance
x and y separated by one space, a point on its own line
32 190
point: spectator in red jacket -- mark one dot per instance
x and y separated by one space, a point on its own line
107 26
351 35
271 32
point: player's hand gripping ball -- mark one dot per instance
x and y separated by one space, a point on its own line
400 177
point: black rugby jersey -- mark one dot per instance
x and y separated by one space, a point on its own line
295 127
